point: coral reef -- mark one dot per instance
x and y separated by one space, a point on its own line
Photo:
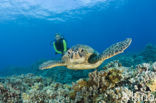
32 89
9 95
117 84
114 83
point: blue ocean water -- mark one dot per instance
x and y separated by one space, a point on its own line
26 31
28 27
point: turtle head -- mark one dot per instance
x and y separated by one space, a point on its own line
77 54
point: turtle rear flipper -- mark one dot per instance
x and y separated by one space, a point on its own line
51 63
115 49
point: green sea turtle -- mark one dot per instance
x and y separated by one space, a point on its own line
80 57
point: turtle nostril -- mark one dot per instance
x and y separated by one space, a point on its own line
75 54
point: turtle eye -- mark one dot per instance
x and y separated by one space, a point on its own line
82 50
68 52
80 54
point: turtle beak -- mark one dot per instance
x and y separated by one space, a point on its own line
77 55
74 55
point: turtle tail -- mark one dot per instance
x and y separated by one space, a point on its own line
115 49
51 63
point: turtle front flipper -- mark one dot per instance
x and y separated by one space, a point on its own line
115 49
51 63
